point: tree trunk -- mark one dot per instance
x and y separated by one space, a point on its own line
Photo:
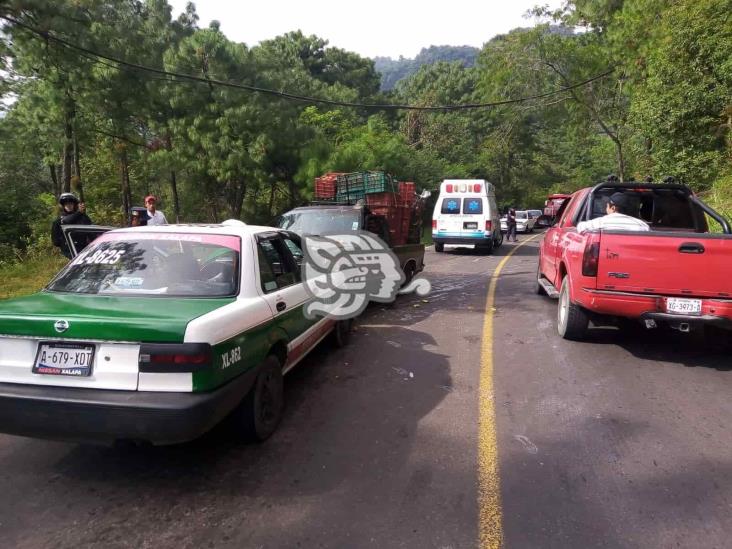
271 198
173 182
214 201
236 207
621 160
125 184
54 180
67 155
292 190
174 189
77 169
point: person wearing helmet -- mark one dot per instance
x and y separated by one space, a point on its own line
72 213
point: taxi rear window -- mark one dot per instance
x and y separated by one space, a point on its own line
155 264
473 206
451 205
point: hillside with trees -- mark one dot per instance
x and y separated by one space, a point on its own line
114 132
394 70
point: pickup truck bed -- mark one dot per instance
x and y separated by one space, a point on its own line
677 274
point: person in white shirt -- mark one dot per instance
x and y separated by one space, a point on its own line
617 218
154 217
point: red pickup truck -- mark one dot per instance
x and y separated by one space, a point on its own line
678 274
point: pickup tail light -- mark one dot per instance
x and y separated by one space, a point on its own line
434 223
174 357
488 225
591 256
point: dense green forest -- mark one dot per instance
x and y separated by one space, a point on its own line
392 71
113 133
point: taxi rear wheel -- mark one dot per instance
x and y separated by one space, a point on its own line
260 412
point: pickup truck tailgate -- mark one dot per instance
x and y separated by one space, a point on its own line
671 264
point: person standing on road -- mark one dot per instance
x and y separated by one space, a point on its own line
154 216
511 225
72 212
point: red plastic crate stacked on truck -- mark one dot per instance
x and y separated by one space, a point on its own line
400 210
325 185
407 192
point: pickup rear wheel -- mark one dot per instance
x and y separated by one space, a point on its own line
572 321
260 412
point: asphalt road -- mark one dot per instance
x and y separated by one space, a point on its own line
621 441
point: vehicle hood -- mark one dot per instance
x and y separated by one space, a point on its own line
109 318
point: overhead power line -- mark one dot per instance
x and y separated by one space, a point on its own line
48 36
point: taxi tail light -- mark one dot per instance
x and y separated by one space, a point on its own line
591 256
434 223
488 225
174 357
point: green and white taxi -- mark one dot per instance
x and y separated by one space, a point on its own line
157 333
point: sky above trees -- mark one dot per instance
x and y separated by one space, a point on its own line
376 28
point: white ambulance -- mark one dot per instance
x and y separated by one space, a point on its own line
466 215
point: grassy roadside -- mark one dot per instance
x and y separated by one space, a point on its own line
28 276
427 235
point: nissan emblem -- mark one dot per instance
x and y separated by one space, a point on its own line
61 326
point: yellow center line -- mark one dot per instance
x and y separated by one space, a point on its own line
490 526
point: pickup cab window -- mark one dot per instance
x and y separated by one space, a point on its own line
662 209
321 221
567 210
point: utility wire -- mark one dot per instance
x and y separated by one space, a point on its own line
292 96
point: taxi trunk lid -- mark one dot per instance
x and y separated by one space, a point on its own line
114 326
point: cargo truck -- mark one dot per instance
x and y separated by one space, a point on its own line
365 201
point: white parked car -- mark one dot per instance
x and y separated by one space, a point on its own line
158 333
524 222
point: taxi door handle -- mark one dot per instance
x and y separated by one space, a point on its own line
281 306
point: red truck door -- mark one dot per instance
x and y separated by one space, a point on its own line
556 235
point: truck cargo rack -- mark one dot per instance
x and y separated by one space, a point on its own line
335 202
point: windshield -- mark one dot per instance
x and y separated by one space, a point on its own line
323 221
166 264
521 215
